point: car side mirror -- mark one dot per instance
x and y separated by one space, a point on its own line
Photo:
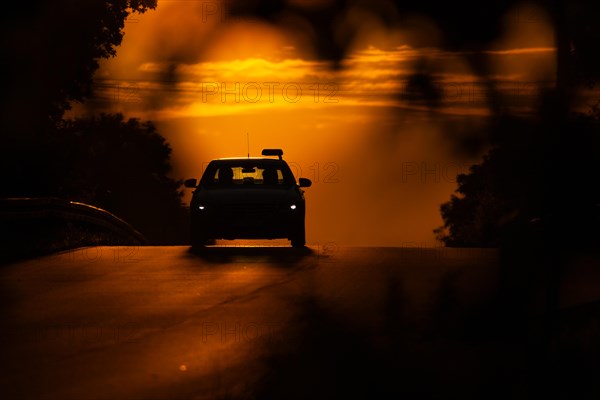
190 183
304 182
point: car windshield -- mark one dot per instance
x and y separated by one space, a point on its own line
247 173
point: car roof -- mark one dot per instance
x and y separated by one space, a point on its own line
246 158
242 159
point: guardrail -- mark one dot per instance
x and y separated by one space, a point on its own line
34 226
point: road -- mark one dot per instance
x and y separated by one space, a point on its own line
236 322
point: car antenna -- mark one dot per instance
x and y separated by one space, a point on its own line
248 140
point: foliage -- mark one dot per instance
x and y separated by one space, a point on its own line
52 50
511 187
122 166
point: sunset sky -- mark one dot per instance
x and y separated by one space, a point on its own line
381 166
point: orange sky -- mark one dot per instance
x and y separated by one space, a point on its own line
381 166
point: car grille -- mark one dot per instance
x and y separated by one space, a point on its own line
249 210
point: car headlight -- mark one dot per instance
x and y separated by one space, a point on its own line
200 207
293 206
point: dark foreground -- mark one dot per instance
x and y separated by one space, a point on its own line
326 322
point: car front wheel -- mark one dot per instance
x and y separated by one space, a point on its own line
199 239
199 243
299 238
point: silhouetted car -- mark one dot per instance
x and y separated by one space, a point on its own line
248 198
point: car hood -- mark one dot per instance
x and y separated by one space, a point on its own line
247 196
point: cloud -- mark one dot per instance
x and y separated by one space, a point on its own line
372 77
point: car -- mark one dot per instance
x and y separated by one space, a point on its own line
248 198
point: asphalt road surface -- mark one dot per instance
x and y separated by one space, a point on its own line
324 322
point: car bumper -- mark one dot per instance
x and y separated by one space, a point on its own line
226 223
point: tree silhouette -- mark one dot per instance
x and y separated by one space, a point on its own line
52 51
536 166
506 186
121 165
